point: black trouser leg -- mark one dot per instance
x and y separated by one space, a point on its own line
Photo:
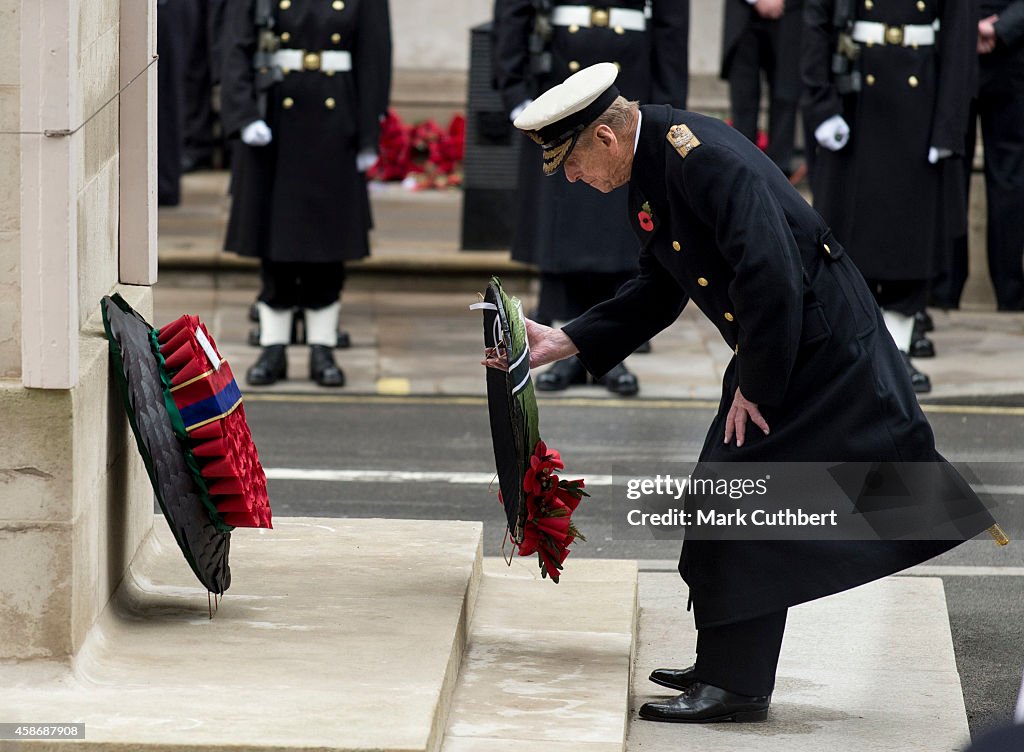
745 85
301 285
1002 126
742 657
782 133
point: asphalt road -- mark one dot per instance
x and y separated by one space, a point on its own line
445 444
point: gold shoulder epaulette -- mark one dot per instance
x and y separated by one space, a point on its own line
682 139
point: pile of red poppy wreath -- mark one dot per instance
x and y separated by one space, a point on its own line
423 155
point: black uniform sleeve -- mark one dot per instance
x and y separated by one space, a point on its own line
957 64
513 20
238 96
611 330
371 60
1010 26
754 237
821 98
670 29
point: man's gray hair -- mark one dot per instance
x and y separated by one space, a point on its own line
620 116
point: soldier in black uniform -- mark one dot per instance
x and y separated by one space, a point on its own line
764 35
885 131
299 195
814 371
564 229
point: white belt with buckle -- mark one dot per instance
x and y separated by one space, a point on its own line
872 32
330 60
586 16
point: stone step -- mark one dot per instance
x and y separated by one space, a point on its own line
548 665
336 634
869 669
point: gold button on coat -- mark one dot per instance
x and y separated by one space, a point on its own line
676 246
329 103
729 316
736 349
868 4
573 28
870 79
285 37
913 82
619 30
287 103
574 65
285 4
827 249
335 37
703 282
921 6
338 5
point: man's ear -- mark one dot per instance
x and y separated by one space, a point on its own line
604 135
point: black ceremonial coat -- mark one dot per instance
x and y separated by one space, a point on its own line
301 198
561 227
734 236
879 193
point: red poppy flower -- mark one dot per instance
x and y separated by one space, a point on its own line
646 222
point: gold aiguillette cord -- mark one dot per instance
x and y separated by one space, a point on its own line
998 535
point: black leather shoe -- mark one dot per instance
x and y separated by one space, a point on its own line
561 375
923 322
620 381
675 678
921 347
271 366
920 381
703 703
322 368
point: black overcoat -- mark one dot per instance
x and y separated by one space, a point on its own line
879 193
301 198
734 236
560 227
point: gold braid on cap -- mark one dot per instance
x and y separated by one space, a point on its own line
535 136
553 157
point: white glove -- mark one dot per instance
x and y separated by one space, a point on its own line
366 159
934 155
518 109
256 133
833 134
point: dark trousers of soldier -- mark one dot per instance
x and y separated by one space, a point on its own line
756 52
1002 123
742 657
563 297
301 285
906 296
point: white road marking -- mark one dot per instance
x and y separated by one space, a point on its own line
403 476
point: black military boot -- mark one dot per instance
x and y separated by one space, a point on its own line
271 366
561 375
920 381
620 381
322 368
